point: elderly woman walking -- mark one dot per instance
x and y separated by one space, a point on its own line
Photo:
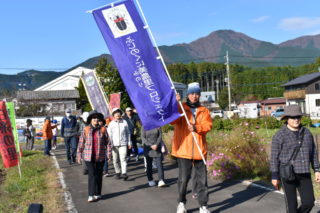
293 151
120 138
93 146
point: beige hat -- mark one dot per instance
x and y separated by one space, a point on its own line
292 111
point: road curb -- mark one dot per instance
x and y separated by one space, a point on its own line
249 183
67 195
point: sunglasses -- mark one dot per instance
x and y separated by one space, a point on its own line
294 117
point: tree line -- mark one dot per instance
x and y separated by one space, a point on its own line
247 83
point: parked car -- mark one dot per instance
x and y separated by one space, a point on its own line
218 113
277 113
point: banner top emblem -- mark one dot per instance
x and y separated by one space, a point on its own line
119 20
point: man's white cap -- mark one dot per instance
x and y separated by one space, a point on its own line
128 109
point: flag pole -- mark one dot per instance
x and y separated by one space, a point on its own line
172 85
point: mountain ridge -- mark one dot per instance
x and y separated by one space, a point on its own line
242 49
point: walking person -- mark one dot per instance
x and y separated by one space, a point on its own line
55 132
186 151
47 135
119 133
82 126
152 141
69 131
294 144
29 132
132 121
93 147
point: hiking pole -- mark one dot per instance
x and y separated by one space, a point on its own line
172 85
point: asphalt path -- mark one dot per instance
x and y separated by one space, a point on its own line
134 195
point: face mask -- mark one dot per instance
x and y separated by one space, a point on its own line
68 114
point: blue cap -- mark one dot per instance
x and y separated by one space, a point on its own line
193 88
54 121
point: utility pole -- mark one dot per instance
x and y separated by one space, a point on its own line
228 75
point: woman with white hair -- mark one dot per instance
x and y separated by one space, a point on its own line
119 133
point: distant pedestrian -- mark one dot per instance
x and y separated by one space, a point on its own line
29 132
55 132
47 135
93 145
120 138
69 131
152 144
294 143
82 126
132 121
184 147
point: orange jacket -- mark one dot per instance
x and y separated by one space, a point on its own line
47 130
183 145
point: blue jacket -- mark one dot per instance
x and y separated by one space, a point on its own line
69 127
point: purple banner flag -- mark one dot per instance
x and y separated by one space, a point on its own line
138 63
95 94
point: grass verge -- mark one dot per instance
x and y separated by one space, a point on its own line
38 184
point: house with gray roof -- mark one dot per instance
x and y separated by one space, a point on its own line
304 91
55 102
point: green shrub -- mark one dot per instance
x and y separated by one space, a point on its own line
270 122
237 154
306 121
167 128
227 124
217 123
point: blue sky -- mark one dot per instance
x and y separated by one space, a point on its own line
58 34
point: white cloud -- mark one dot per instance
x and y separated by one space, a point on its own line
260 19
299 23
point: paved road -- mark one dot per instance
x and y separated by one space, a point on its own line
135 196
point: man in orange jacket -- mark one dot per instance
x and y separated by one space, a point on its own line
184 148
47 135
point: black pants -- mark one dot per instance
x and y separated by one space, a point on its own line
199 180
134 146
304 185
159 166
94 177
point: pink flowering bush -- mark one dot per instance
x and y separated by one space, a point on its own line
237 154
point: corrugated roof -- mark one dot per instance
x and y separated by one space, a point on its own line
47 95
303 79
274 101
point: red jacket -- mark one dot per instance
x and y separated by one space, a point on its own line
183 145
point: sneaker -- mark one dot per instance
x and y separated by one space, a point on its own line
124 176
181 208
151 183
54 147
117 176
106 175
195 196
137 158
91 199
203 209
97 197
161 183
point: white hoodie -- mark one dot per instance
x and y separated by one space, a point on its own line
119 133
